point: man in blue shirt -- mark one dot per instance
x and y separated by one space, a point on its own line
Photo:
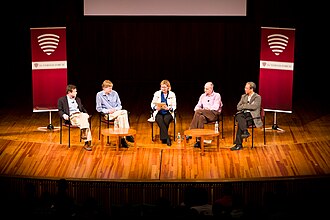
108 102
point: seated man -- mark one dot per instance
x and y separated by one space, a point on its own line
248 107
71 108
208 109
108 102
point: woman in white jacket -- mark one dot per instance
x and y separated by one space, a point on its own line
164 105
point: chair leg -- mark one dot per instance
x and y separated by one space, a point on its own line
108 124
152 131
265 130
100 127
234 131
221 126
61 131
174 130
252 137
69 130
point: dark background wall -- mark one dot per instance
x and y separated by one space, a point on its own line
136 53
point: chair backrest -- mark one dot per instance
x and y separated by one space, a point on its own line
104 119
262 116
262 113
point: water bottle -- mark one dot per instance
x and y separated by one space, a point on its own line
179 138
116 124
216 127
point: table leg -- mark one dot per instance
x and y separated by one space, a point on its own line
118 143
134 141
184 141
218 142
202 145
102 140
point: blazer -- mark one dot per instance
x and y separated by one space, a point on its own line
63 106
171 101
253 106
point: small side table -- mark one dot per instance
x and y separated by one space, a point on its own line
118 133
202 133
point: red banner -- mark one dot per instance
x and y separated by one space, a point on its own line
276 68
49 67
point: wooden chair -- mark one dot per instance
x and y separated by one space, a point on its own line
67 123
252 126
153 121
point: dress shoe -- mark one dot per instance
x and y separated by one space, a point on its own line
245 134
188 137
87 145
168 142
197 144
84 133
130 139
236 147
123 143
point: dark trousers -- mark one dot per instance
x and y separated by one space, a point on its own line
243 120
163 122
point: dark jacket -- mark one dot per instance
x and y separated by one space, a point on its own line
63 106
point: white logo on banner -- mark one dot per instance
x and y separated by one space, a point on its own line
277 43
48 42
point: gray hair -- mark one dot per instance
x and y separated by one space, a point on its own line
252 85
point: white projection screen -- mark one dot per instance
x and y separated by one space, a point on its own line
165 7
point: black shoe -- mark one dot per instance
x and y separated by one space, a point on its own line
168 142
236 147
123 143
164 141
188 137
245 134
197 144
87 145
130 139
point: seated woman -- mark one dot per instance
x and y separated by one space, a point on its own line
164 104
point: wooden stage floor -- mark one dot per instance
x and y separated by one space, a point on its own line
301 150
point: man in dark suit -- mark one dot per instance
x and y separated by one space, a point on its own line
71 109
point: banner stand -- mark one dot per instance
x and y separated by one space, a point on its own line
275 126
276 71
49 70
50 126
